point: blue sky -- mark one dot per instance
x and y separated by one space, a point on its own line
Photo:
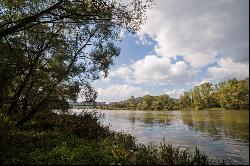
182 44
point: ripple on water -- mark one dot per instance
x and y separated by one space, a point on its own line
217 134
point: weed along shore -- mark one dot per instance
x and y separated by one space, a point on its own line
70 139
124 82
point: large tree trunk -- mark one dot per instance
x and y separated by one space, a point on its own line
35 109
15 99
32 112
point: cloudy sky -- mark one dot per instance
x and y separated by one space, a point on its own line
183 43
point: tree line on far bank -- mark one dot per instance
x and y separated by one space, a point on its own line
230 94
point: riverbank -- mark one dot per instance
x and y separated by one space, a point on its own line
69 139
125 109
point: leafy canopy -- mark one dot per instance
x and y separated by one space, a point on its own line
52 50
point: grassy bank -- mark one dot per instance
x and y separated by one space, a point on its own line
68 139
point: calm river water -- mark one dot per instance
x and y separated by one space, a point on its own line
216 133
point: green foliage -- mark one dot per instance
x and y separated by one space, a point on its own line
84 142
146 103
132 103
231 94
52 49
163 102
197 99
185 100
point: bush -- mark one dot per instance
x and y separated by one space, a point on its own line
69 139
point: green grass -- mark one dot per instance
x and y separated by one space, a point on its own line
81 140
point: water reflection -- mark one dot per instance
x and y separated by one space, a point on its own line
132 117
219 124
150 118
217 133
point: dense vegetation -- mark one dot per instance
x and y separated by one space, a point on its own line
50 52
51 138
232 95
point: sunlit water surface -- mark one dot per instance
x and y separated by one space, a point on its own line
218 134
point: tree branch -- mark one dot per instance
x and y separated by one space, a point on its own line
35 109
26 21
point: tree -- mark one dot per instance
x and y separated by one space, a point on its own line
49 45
197 98
168 102
233 94
132 103
19 15
207 90
158 103
185 100
146 103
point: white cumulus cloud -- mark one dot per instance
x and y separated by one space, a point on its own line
123 71
197 29
175 93
195 41
201 59
151 69
154 70
119 92
226 69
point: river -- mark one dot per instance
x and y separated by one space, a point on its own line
218 134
